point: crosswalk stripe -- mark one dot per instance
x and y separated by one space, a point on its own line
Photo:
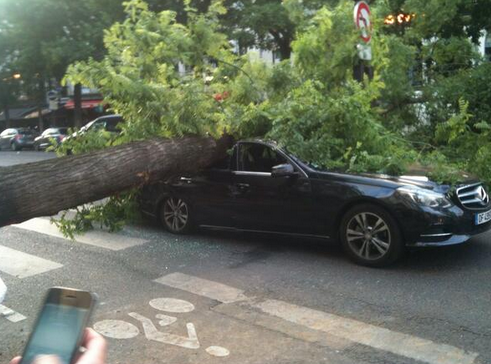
359 332
354 331
22 265
10 314
97 238
203 287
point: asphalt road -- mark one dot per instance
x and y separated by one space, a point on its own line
9 158
258 299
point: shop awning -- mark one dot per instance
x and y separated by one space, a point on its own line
35 114
86 104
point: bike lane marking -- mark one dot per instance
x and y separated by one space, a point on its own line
351 330
119 329
99 238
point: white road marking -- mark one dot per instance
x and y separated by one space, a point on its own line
101 239
151 333
217 351
116 329
22 265
405 345
354 331
3 290
166 320
203 287
171 305
10 314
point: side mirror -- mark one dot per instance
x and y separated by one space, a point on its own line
282 170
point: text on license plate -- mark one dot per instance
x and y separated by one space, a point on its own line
483 217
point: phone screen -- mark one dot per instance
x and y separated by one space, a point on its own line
56 333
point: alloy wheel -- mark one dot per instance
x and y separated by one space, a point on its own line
368 236
175 214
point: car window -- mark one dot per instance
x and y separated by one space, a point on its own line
111 124
26 131
258 158
99 124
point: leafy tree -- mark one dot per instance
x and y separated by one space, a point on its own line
9 90
260 23
411 110
42 42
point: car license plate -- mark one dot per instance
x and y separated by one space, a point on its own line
483 217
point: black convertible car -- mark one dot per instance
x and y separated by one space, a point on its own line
263 188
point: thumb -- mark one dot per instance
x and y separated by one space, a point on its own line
46 359
16 360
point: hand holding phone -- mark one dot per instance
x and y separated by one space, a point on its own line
95 353
59 330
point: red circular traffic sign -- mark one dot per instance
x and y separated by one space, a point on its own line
362 20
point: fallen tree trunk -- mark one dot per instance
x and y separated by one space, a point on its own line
47 187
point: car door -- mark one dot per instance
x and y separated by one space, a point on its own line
210 194
267 203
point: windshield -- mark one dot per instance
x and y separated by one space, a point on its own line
311 165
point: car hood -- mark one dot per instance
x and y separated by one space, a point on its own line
415 175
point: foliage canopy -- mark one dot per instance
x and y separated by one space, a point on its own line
421 107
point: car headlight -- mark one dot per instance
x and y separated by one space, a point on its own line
425 197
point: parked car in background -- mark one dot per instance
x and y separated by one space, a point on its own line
51 136
108 123
263 188
17 139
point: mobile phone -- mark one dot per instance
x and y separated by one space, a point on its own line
60 326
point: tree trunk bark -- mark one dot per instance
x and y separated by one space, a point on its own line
47 187
77 105
283 42
40 119
6 111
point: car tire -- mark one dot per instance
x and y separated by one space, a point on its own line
175 215
36 148
371 236
15 147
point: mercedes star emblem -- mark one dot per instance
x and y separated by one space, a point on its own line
481 192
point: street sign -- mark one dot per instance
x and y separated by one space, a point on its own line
53 98
362 17
362 20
